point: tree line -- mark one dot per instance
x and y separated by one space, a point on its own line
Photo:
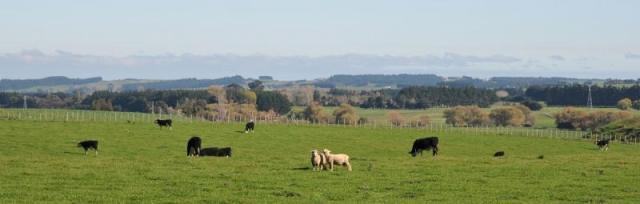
577 95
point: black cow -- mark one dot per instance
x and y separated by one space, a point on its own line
193 146
424 144
603 144
214 151
164 123
498 154
249 126
89 144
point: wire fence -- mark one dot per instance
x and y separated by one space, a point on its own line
112 116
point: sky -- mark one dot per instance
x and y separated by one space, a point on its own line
293 39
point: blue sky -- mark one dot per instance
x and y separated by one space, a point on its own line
116 39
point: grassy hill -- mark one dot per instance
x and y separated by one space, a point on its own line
141 163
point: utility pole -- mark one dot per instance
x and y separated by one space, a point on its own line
589 99
24 98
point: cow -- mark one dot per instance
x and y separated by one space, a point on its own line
164 123
89 144
498 154
603 144
318 160
249 126
424 144
193 146
339 159
215 151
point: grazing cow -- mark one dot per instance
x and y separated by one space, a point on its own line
603 144
498 154
164 123
249 126
193 146
339 159
424 144
89 144
217 152
318 160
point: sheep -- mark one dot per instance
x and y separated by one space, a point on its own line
317 160
339 159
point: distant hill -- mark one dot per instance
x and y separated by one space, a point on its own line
18 84
190 83
355 82
382 80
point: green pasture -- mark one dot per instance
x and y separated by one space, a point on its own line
141 163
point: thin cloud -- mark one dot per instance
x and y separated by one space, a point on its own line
632 56
557 57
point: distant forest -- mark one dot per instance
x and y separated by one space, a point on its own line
576 95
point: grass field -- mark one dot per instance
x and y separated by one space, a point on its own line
140 163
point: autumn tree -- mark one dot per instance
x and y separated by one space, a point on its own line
346 114
395 118
315 113
219 93
569 118
624 104
461 116
507 116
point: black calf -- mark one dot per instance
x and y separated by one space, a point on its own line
89 144
603 144
164 123
193 146
249 127
217 152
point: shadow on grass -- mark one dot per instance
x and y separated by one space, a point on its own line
75 153
301 168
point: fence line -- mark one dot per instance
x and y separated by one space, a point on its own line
112 116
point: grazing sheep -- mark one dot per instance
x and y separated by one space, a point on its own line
339 159
318 160
89 144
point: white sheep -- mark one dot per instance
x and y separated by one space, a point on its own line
317 160
339 159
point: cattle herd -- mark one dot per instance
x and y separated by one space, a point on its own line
320 160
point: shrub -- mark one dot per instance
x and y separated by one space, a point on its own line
569 118
636 105
314 113
601 118
624 104
346 114
529 118
507 116
395 118
466 116
420 121
532 105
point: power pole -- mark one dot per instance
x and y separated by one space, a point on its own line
24 98
589 99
